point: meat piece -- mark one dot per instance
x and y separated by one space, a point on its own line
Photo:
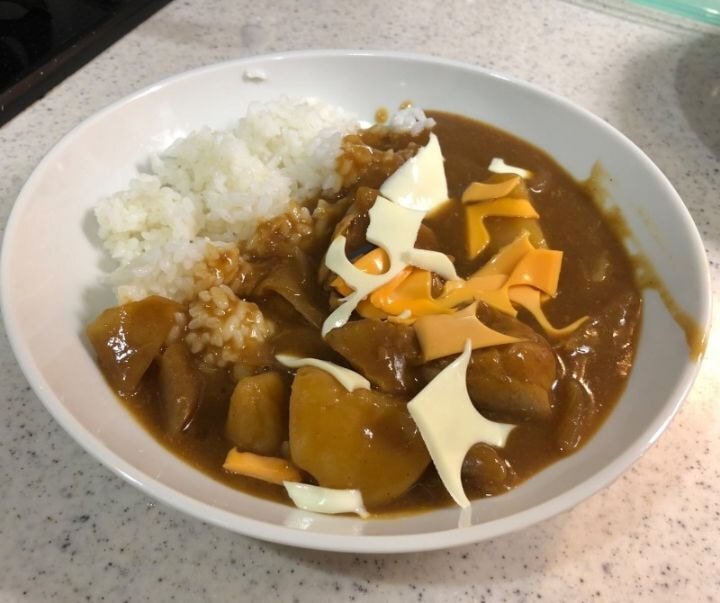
387 354
485 471
180 388
258 415
293 279
128 338
515 380
362 439
511 381
354 223
427 239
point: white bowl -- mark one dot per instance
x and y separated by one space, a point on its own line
51 269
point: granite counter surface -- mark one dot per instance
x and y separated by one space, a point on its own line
72 531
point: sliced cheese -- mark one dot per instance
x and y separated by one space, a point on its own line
417 187
531 299
478 236
394 229
267 468
498 166
539 268
434 261
350 380
507 258
484 191
420 182
373 262
377 262
515 265
450 425
326 500
485 288
442 335
367 310
408 295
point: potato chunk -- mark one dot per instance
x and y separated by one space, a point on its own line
180 388
258 415
362 439
127 339
513 380
387 354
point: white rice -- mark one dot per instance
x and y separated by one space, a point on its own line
177 269
410 119
211 188
214 186
221 325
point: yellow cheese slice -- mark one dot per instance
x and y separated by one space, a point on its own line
539 268
420 182
450 425
412 293
531 299
443 335
484 191
350 380
507 258
486 288
326 500
506 207
373 262
367 310
267 468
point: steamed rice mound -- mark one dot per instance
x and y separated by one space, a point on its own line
213 187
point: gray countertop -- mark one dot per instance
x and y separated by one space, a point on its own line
72 531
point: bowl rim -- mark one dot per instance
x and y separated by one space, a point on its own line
281 534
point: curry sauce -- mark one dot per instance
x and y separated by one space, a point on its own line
583 374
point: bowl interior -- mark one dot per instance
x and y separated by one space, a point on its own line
52 265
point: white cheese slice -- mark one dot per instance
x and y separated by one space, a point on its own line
434 261
420 182
498 166
417 187
392 227
326 500
450 425
350 380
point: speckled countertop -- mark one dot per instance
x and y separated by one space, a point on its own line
72 531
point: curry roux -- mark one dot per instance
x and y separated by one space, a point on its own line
596 271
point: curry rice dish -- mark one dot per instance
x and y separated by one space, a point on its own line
395 299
